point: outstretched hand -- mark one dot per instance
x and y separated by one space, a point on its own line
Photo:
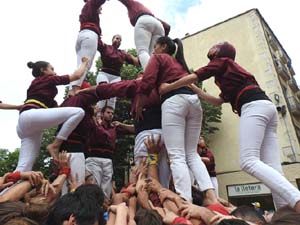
153 146
4 184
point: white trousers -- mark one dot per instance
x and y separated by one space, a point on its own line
140 151
77 165
146 32
214 182
86 46
108 78
181 125
31 125
102 170
259 151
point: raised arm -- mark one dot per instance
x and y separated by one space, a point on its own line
80 71
217 101
184 81
9 106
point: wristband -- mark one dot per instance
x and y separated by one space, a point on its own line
65 170
13 177
125 191
153 159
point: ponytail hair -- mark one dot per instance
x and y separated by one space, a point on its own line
36 67
180 54
171 49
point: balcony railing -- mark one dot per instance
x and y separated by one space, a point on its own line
282 70
294 105
272 42
293 84
283 57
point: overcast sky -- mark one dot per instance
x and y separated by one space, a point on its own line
34 30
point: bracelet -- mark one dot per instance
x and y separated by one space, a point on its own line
125 191
13 177
65 170
153 159
72 190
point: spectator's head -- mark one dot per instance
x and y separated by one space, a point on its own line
197 196
233 222
89 179
201 145
41 68
21 221
24 212
220 50
116 40
83 207
149 217
249 214
107 113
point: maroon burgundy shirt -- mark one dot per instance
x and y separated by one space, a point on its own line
211 166
113 58
89 17
137 9
102 141
43 88
229 77
85 100
161 68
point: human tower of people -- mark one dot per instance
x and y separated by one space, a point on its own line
167 112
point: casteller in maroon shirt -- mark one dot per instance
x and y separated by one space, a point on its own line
43 89
89 17
231 78
112 58
137 9
77 140
210 166
161 68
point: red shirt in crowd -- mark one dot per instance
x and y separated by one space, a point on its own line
43 88
229 77
113 58
161 68
136 9
89 17
211 166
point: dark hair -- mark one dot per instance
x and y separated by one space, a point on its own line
21 221
34 212
171 48
248 213
84 204
36 67
197 196
106 107
146 216
233 222
117 35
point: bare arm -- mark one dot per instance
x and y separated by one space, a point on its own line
216 101
80 71
16 192
184 81
205 159
135 60
9 106
127 128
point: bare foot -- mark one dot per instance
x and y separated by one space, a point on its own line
53 151
297 207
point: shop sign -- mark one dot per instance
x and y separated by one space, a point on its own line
247 189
